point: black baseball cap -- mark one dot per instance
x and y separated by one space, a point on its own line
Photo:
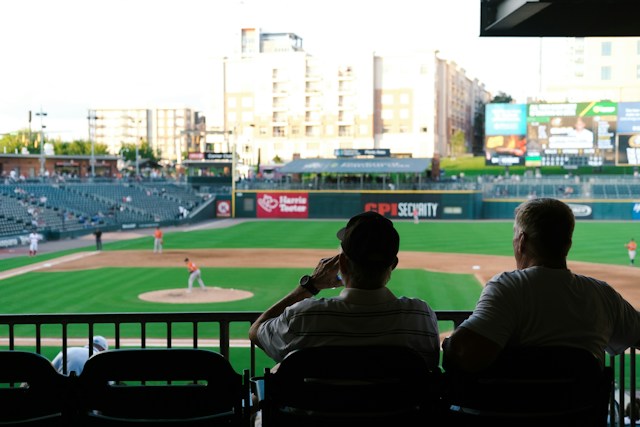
370 240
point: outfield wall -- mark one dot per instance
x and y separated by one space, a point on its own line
450 205
462 205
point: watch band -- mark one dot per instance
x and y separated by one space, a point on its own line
306 283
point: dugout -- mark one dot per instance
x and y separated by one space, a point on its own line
359 173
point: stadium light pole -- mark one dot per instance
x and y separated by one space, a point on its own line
234 165
41 114
90 117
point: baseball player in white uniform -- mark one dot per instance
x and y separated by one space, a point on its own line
33 243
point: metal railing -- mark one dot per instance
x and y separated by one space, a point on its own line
206 329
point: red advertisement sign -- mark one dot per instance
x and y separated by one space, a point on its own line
223 208
282 205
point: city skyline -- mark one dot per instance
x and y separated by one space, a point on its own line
158 54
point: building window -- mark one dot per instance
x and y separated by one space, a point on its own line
247 101
605 49
404 113
404 99
344 131
387 99
311 130
231 102
278 131
605 73
387 114
637 71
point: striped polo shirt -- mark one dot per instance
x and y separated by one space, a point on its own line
355 317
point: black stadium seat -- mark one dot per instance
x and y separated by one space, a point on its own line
32 392
161 387
351 386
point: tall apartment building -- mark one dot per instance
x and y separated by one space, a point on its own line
280 102
591 69
169 131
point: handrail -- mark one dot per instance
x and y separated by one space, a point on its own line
221 338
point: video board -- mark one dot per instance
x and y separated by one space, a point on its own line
628 147
557 134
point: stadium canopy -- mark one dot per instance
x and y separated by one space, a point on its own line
357 166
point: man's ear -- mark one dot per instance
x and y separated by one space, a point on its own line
522 242
395 264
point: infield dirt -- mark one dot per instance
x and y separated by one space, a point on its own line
623 278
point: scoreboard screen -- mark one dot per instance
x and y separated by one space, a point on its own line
556 134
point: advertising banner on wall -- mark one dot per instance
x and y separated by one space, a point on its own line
282 205
223 208
401 206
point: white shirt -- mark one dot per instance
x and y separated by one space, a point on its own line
355 317
541 306
76 358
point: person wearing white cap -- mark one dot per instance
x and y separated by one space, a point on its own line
78 356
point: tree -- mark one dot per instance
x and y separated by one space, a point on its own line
79 147
458 145
14 142
477 144
128 152
503 98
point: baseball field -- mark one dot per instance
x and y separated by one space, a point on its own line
249 265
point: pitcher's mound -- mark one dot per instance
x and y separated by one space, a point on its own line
197 295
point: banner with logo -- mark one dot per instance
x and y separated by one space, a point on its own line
282 205
581 211
223 208
635 212
402 206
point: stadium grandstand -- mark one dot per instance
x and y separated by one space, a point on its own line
67 210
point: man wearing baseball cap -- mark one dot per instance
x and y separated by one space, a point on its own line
365 313
78 356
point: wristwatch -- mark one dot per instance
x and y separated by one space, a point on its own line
306 282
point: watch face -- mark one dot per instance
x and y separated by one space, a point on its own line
304 279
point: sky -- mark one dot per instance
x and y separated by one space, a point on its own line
64 57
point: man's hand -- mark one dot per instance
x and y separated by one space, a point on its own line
325 275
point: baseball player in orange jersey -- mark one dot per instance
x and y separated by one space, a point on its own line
631 247
194 273
157 241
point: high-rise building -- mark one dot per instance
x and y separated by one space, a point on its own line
281 102
591 69
171 132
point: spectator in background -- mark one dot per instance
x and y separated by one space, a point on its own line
542 303
78 356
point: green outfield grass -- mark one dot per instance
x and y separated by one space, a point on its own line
117 289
